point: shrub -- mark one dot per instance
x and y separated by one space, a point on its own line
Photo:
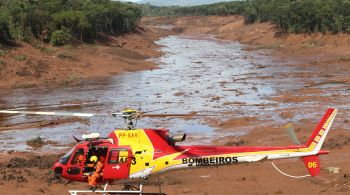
60 37
36 142
20 58
2 53
24 86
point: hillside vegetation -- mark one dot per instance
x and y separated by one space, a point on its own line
64 21
295 16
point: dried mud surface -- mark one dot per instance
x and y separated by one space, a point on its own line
319 63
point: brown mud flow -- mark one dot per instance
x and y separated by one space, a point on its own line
259 88
196 73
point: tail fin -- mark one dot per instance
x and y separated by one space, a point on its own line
312 164
316 140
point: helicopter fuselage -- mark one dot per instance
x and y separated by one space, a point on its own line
140 153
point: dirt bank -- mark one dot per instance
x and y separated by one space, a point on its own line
263 35
316 48
35 65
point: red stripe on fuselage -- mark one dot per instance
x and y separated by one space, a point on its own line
197 151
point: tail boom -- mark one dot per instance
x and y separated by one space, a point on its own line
196 156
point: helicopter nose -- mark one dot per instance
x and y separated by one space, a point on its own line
57 169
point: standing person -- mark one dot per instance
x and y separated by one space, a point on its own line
93 177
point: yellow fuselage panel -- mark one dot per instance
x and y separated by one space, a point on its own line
140 143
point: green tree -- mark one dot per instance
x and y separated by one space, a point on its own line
73 21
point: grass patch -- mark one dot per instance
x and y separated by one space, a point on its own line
271 46
36 142
2 62
68 47
37 45
42 48
20 58
46 83
2 53
69 80
47 50
24 86
315 43
66 56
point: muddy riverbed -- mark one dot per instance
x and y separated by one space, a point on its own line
196 73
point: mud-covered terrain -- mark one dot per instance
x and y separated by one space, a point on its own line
42 65
257 82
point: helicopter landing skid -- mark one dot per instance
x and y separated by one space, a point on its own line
127 189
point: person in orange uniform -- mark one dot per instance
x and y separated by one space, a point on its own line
92 178
80 159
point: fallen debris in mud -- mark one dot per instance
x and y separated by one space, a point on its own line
23 170
333 169
41 162
12 176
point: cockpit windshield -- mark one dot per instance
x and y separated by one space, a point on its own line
64 160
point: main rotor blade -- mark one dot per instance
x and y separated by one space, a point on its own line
175 115
51 113
160 109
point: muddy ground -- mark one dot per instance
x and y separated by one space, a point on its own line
321 62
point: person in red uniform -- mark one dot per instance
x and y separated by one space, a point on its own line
93 177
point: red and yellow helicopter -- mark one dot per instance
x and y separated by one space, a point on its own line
132 153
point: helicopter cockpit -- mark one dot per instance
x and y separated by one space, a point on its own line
74 164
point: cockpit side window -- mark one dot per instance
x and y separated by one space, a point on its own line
64 160
78 158
117 156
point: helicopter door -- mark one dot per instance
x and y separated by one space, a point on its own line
117 165
76 164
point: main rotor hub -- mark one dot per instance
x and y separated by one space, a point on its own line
130 118
129 113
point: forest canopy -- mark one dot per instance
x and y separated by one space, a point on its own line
295 16
63 21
